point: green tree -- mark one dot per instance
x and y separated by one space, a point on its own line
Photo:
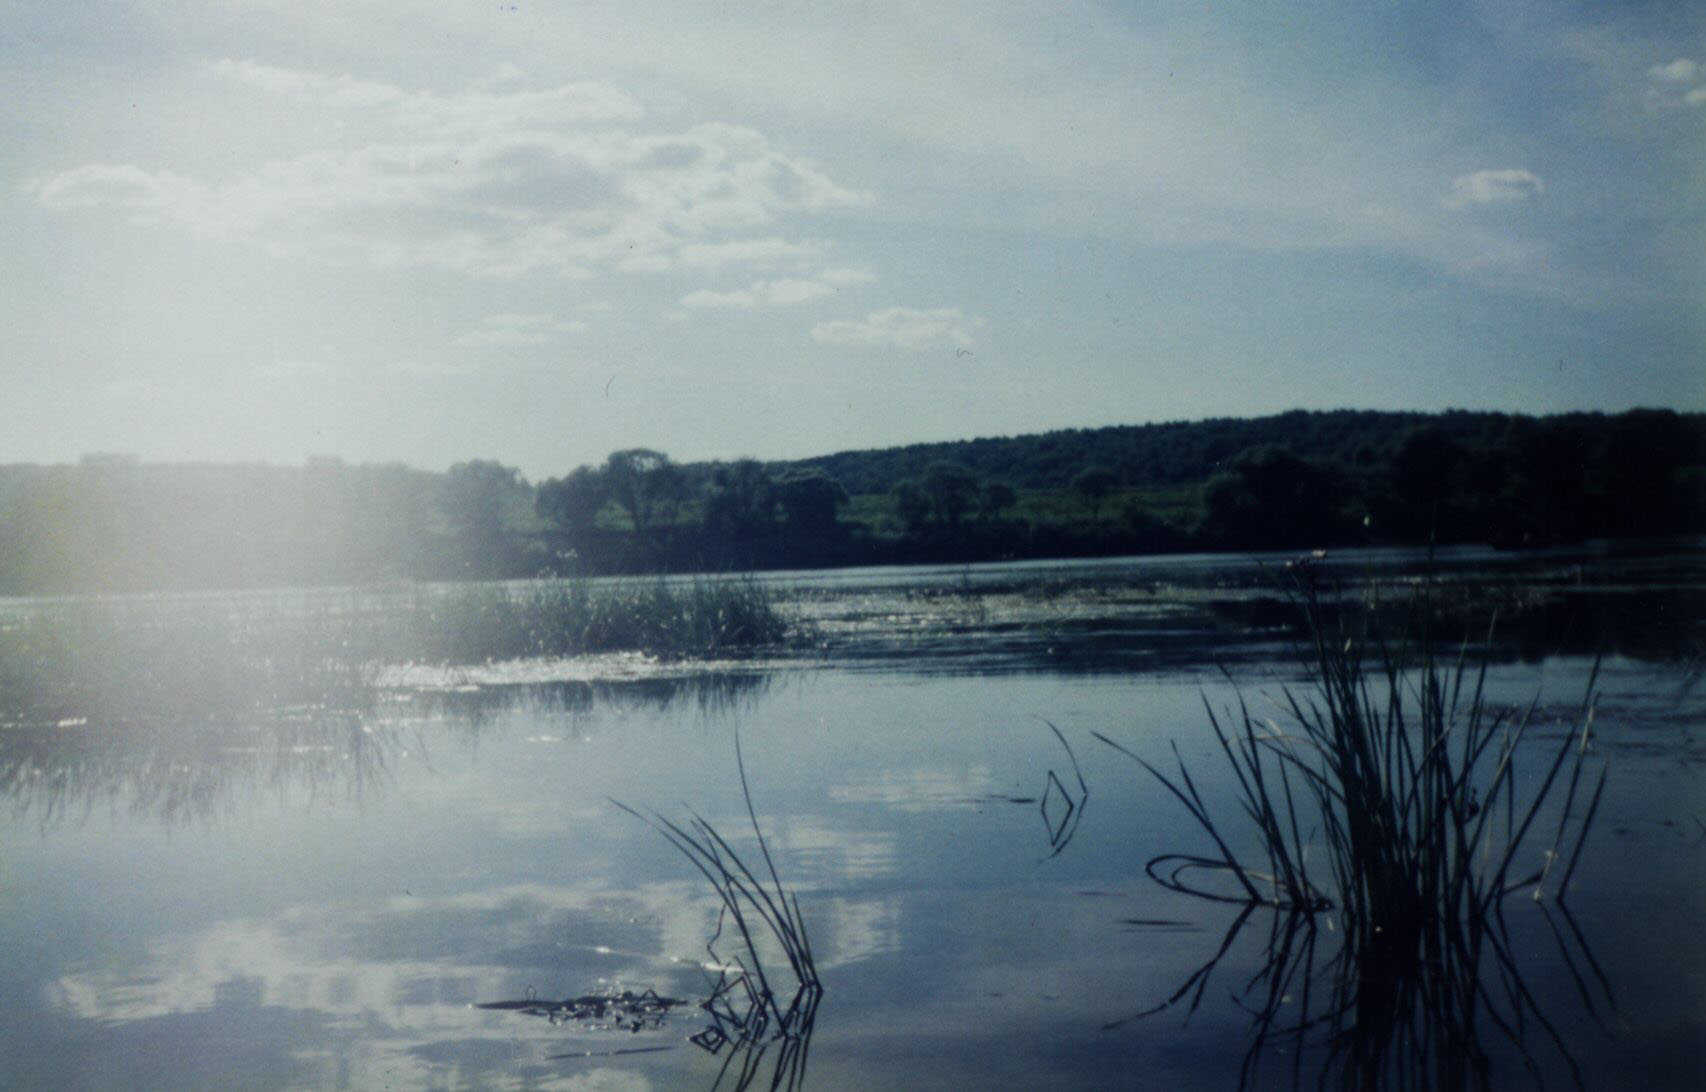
1094 483
952 490
996 498
740 500
645 484
572 503
1269 498
911 504
476 496
810 500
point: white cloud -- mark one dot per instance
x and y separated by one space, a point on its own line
150 195
773 293
900 327
1490 187
1682 70
1682 82
484 182
840 277
479 109
515 330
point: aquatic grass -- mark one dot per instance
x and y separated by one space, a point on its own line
1389 801
197 656
1398 778
750 1006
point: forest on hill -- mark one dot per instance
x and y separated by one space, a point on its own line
1299 479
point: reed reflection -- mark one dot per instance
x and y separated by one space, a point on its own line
185 768
1376 1013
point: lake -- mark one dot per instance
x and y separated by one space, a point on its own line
323 896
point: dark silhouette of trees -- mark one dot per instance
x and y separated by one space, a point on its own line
1267 497
810 501
996 498
952 490
1093 483
740 501
1425 499
571 504
911 504
1295 479
646 485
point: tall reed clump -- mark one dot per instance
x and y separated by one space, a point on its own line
1403 781
207 655
1391 800
492 622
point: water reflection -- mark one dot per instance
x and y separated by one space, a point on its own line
1375 1013
196 768
179 771
765 997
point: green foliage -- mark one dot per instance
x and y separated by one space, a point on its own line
646 484
740 500
476 495
1267 497
810 499
116 524
912 504
572 503
1093 483
995 499
952 490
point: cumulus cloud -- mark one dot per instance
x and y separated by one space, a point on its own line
1681 82
1492 187
901 328
517 330
485 182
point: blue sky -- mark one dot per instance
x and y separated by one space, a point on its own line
261 230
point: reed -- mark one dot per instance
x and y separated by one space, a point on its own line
1405 780
198 656
1390 800
751 1005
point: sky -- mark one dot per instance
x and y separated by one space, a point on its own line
261 230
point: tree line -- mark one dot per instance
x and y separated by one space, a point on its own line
1296 479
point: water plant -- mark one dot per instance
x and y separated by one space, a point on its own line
752 1008
192 657
1389 802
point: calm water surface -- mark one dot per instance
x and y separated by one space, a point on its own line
313 898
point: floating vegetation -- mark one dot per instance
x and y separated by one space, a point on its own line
756 1005
1403 782
624 1011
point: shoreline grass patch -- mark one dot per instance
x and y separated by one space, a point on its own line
191 657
